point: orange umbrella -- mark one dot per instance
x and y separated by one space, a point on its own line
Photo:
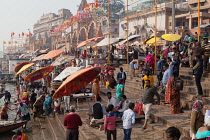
19 66
38 74
24 68
77 81
88 41
53 54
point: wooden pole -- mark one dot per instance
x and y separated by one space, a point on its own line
199 21
127 43
109 32
155 30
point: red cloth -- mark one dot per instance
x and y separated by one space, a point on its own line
110 121
72 121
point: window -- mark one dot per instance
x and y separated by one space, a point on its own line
195 5
112 21
170 24
183 23
202 3
178 24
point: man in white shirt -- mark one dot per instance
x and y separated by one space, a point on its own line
128 119
111 100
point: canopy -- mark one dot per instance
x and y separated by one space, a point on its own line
152 40
19 66
88 41
62 60
66 72
171 37
105 41
36 51
38 74
40 57
77 81
44 51
53 54
24 68
131 38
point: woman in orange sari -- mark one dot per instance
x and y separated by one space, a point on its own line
172 96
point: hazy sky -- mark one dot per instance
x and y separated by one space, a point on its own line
19 15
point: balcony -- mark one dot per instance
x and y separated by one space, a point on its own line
195 1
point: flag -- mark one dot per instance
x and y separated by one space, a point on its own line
30 34
19 35
23 33
27 35
4 42
16 42
12 34
9 42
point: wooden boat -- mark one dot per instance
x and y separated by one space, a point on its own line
6 126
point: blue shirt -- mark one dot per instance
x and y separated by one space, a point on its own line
160 64
167 74
202 134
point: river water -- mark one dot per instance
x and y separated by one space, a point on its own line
11 114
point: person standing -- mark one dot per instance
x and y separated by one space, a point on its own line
172 96
128 119
198 71
159 69
72 121
206 46
175 64
67 102
7 96
121 75
197 118
4 109
120 90
110 123
149 92
167 74
96 87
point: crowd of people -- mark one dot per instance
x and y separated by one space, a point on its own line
36 97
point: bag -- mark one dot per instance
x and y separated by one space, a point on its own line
178 84
138 108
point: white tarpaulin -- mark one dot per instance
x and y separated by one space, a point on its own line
66 72
105 42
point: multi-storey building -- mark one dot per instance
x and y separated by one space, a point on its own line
43 27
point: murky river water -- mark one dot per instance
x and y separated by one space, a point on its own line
11 114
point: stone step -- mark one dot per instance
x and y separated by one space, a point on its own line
55 129
162 115
45 130
60 118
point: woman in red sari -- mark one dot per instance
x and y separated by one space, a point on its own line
172 96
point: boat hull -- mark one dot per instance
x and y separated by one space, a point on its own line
10 126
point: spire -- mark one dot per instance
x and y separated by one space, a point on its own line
82 5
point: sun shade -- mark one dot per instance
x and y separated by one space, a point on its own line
53 54
19 66
77 81
24 68
38 74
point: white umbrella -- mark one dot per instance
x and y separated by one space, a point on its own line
130 38
105 41
66 72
